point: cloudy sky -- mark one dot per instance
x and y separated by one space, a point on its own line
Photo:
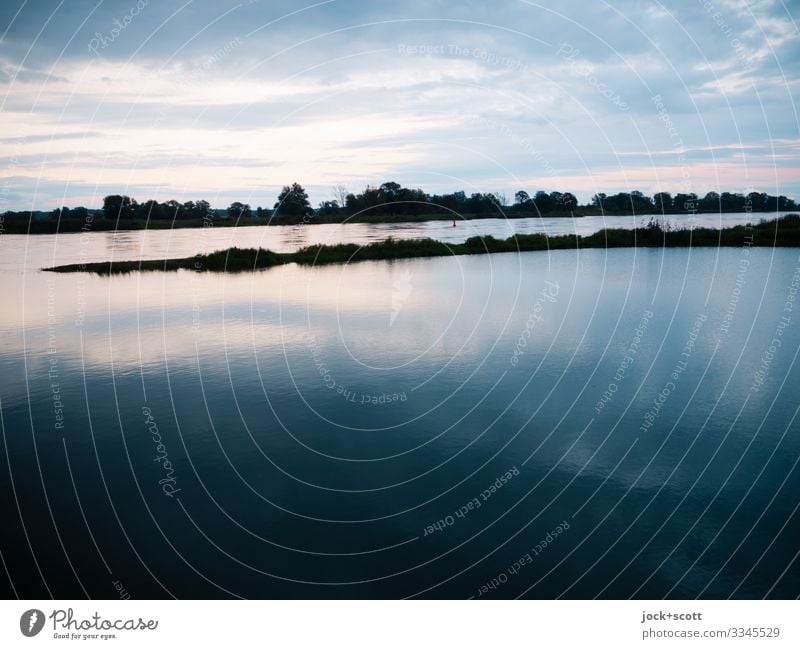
229 100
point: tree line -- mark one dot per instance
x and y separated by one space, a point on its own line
391 199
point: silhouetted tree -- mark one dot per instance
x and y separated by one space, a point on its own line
685 202
186 210
202 210
329 207
757 201
239 210
171 209
391 198
710 202
663 201
639 203
293 201
731 202
80 213
151 210
543 202
116 206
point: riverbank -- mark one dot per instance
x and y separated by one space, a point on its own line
96 223
99 224
776 232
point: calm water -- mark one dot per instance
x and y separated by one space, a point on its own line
432 428
22 252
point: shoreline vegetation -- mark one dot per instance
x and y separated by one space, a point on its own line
387 203
781 232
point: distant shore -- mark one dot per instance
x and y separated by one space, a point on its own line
96 223
389 202
784 232
100 224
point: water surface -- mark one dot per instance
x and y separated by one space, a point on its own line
22 252
325 426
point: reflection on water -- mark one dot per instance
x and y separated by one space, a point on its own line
322 424
29 253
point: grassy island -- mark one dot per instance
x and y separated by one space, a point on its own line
776 232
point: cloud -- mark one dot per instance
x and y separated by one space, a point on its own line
218 99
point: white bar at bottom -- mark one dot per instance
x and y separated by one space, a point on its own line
389 624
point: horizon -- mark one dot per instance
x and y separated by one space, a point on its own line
270 206
231 101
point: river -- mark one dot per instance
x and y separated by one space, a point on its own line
588 423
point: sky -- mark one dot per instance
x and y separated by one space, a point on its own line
226 101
